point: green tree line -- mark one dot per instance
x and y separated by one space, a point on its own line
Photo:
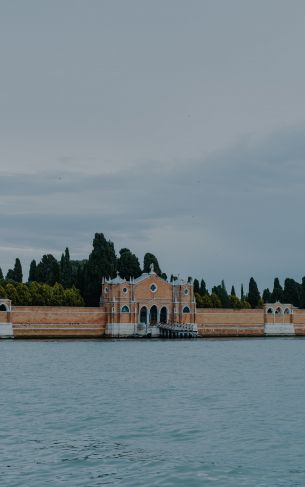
71 282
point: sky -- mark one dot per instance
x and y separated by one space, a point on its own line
175 127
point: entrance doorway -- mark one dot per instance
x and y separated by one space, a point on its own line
153 315
143 315
163 315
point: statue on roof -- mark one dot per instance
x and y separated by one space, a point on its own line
152 268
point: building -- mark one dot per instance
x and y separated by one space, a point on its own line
137 306
148 306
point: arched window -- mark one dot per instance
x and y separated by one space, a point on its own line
270 311
186 309
3 307
287 311
125 309
278 311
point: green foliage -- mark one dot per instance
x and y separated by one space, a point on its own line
242 295
293 293
267 296
277 293
221 292
16 273
48 270
33 271
102 262
253 294
203 289
233 293
66 277
196 286
1 275
128 264
38 294
151 259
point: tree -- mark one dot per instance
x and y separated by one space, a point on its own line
253 294
151 259
128 264
18 271
102 262
33 271
66 270
48 270
292 293
277 293
1 274
196 286
233 293
267 296
203 289
242 296
10 275
221 292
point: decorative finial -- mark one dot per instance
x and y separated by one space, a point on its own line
152 268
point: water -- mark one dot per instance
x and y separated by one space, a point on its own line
152 413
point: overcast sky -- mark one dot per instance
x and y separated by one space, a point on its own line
175 127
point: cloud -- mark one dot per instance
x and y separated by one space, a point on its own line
239 205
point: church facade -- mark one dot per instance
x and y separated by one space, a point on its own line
137 306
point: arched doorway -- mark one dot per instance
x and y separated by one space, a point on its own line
163 315
153 315
3 307
143 315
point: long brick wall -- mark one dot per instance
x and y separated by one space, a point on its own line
60 322
223 322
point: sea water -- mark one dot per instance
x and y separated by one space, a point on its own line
215 412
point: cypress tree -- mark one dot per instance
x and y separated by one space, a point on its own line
66 270
128 264
267 296
291 293
196 286
233 293
151 259
1 274
102 262
32 272
242 296
253 295
203 289
277 293
48 270
18 271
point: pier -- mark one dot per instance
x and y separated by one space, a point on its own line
177 330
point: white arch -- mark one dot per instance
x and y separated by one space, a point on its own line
125 309
186 309
270 311
287 311
278 311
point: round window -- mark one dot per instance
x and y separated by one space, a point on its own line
106 290
186 291
125 290
153 288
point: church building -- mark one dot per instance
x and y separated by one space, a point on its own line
139 305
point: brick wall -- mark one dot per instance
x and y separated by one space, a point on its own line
223 322
36 321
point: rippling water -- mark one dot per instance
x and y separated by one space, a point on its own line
152 413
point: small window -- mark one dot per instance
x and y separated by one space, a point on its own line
125 309
278 311
125 290
186 291
287 311
186 309
270 311
106 290
153 288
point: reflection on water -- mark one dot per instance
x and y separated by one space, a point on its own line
152 413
